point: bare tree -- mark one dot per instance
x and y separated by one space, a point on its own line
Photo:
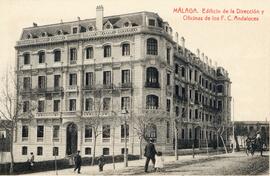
11 108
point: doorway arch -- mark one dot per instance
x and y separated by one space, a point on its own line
71 139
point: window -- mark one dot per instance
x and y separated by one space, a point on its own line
168 107
74 30
168 79
190 75
72 105
106 77
126 24
41 105
151 131
24 131
56 105
91 28
183 91
125 103
59 32
183 134
106 104
177 90
176 69
123 131
39 151
26 83
72 79
168 130
125 49
87 151
106 132
88 131
183 72
168 55
219 88
73 55
106 151
41 82
190 114
89 52
152 22
55 151
183 112
152 46
123 150
24 150
177 111
57 56
40 131
107 51
196 113
152 102
220 105
56 129
89 104
89 79
56 81
41 57
196 75
26 59
125 76
190 134
152 77
26 106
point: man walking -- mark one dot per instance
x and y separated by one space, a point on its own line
149 153
78 162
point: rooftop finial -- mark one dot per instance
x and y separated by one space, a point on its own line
35 24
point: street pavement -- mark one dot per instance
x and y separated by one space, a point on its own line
223 164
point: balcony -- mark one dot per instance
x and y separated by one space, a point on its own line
73 62
108 86
71 113
155 112
152 85
47 115
89 114
89 87
123 139
125 85
106 140
72 88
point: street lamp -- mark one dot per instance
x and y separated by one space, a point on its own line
125 112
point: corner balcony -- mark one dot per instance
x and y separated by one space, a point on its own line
152 85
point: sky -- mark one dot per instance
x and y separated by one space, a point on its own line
241 47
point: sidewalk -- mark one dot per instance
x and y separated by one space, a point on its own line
119 167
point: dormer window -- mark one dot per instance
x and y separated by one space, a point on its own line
126 24
43 34
29 36
108 26
152 22
59 32
91 28
75 30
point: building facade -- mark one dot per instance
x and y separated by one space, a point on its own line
75 73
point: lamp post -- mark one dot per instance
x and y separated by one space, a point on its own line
234 142
125 112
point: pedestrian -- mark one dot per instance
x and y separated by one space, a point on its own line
31 161
101 162
149 153
78 162
159 165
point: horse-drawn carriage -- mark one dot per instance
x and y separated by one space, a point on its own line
254 145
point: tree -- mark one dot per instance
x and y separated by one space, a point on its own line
11 108
240 130
96 121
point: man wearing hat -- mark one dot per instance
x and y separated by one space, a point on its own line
149 153
78 162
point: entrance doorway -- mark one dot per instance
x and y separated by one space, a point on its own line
72 139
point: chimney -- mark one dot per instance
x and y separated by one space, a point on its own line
198 53
99 18
183 44
35 25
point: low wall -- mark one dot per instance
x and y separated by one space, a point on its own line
23 168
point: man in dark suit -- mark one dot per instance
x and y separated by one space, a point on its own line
78 162
149 153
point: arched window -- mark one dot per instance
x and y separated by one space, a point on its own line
152 77
151 102
57 55
107 51
41 57
125 49
152 46
151 132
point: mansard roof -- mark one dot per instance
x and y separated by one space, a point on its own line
136 19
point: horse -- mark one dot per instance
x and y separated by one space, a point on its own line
254 145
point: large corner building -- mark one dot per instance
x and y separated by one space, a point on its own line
76 71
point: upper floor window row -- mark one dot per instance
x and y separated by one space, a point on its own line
41 57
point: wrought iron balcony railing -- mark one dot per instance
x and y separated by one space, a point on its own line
152 85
